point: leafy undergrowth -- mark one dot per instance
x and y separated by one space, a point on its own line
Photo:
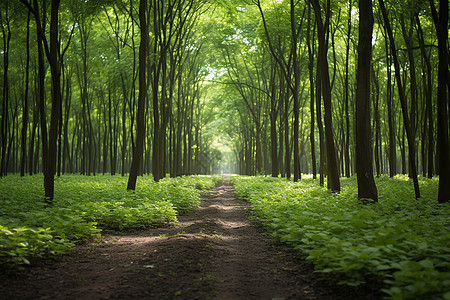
401 241
83 206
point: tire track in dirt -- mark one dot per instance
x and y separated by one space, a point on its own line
214 252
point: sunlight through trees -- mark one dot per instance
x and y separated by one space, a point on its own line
250 87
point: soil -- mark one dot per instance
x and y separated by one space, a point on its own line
214 252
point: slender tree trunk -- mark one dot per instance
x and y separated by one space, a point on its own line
376 100
311 93
332 166
364 167
56 103
41 104
66 156
281 128
392 146
322 159
294 34
287 155
124 137
105 137
406 120
139 148
273 121
346 89
60 125
428 96
110 133
25 104
5 105
412 74
33 131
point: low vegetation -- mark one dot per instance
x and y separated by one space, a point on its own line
84 206
400 241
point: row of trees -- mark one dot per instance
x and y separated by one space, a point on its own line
103 86
308 86
153 86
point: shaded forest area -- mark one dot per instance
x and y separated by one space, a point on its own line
184 87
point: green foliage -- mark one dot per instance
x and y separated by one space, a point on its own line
83 206
400 240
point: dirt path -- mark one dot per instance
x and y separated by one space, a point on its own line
215 252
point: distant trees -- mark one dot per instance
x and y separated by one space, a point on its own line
72 90
5 20
270 87
400 95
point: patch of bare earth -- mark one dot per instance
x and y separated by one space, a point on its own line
215 252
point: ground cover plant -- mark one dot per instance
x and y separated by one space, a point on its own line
83 206
400 241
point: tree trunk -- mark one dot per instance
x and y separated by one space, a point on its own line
111 130
281 127
311 93
376 100
392 146
139 148
294 34
332 166
25 104
428 95
412 74
273 121
124 136
56 103
4 125
346 88
403 103
364 167
441 24
322 159
287 156
33 131
66 156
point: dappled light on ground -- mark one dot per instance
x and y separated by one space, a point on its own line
214 252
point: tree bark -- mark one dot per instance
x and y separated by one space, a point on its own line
294 34
140 136
412 74
273 121
23 162
364 166
391 122
441 24
53 58
311 93
346 88
403 103
376 118
33 129
4 124
332 166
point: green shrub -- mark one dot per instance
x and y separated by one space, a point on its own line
400 240
83 206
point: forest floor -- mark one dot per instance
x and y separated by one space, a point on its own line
214 252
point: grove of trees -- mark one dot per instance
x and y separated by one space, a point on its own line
279 87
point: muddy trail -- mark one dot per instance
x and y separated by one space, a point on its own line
215 252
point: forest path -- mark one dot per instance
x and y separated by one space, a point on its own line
215 252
